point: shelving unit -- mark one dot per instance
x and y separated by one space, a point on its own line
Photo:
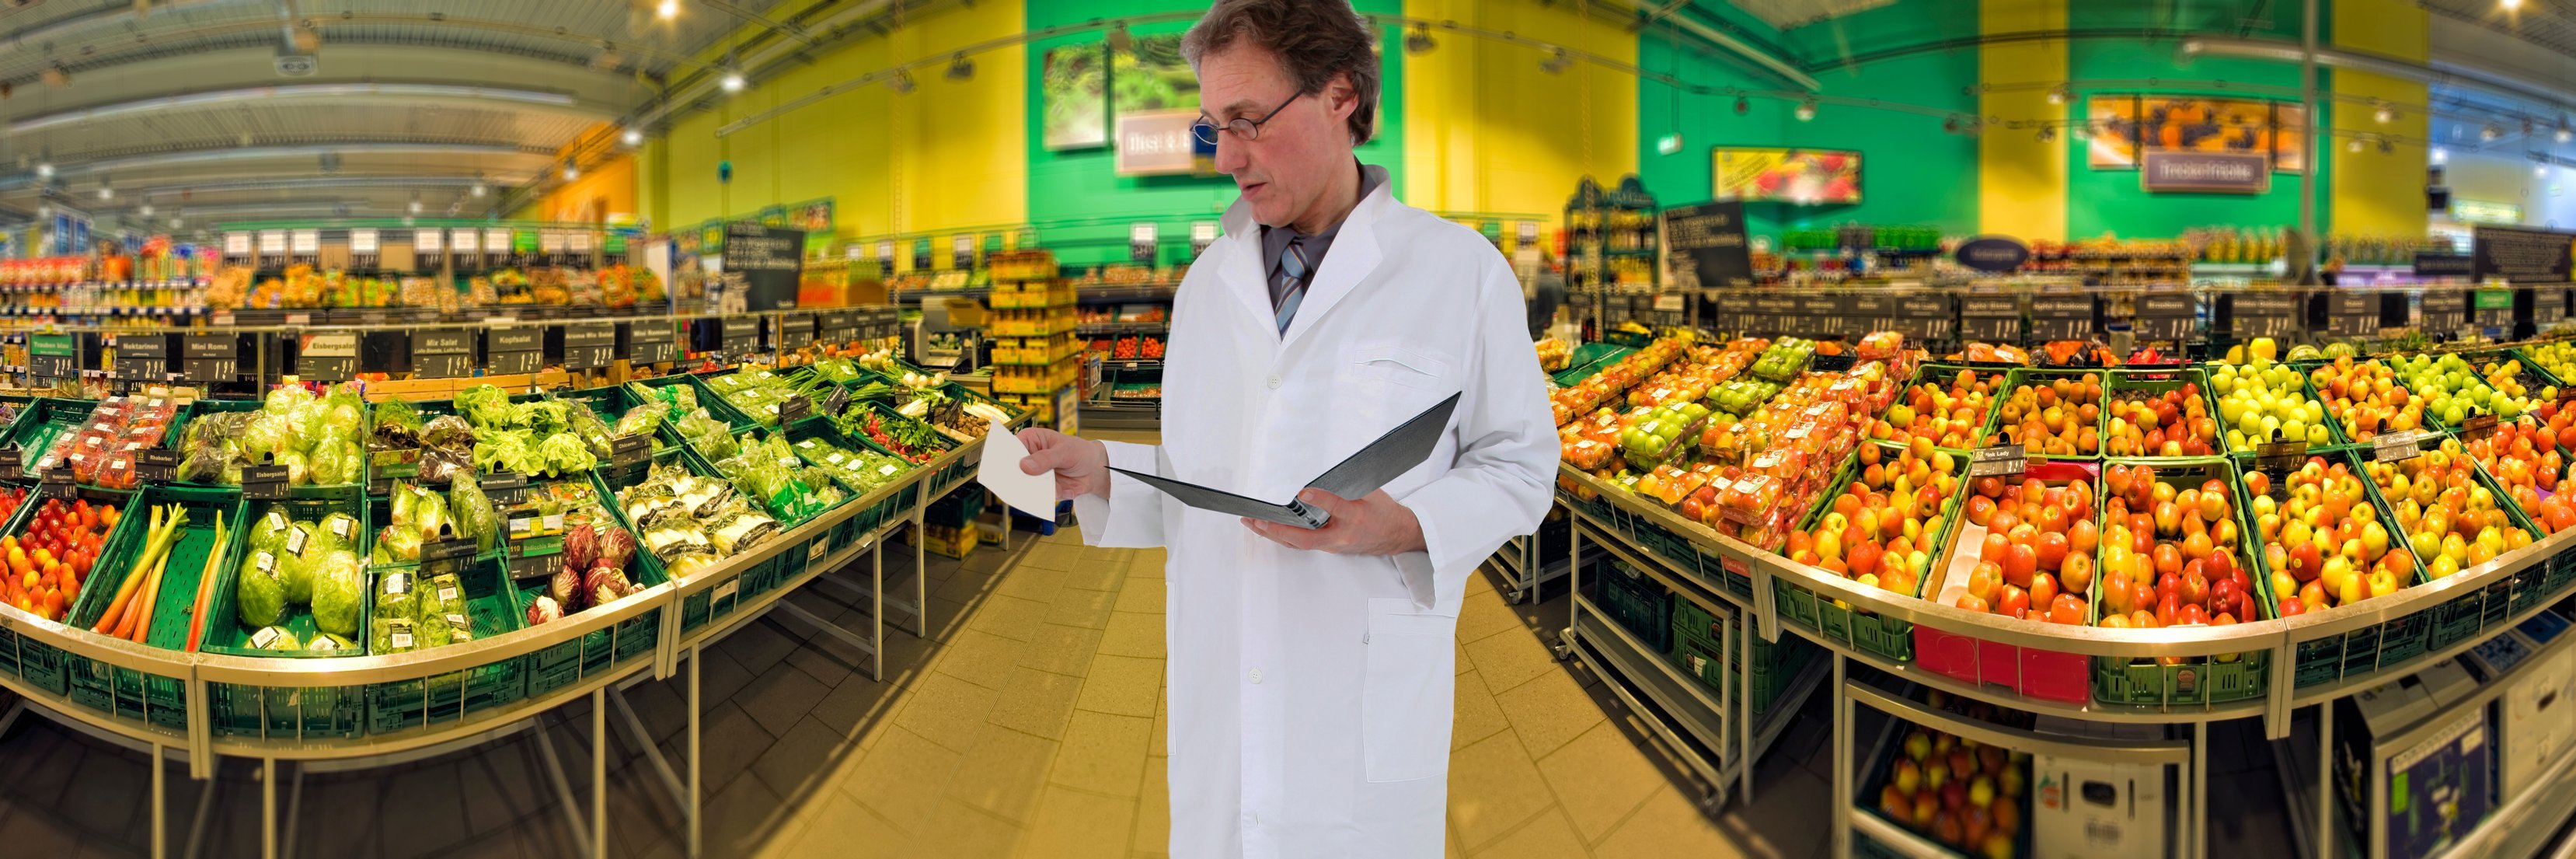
1612 247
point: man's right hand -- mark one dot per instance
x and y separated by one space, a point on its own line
1081 465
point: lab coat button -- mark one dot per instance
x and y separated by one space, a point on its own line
1274 383
1256 677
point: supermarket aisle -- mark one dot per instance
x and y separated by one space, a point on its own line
1029 723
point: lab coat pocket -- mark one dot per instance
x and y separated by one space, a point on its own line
1400 364
1405 695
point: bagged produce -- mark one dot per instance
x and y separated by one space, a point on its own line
329 642
337 589
397 595
295 562
258 598
337 531
268 532
442 596
392 635
476 518
276 638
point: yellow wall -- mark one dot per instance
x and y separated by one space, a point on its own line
942 156
2021 180
604 190
1486 130
2377 193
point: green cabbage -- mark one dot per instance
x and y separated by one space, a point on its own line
328 642
295 563
276 638
337 592
476 519
338 531
258 598
486 406
269 533
443 595
392 635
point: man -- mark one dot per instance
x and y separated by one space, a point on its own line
1547 291
1310 671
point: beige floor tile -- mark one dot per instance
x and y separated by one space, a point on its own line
963 831
1071 824
1765 830
1051 555
1147 565
965 585
1549 710
1474 716
1463 663
1145 598
980 657
1133 634
1154 807
1060 649
1037 703
1086 609
1546 837
902 778
1105 573
1005 773
1599 778
1123 685
840 828
1493 789
1485 614
1028 582
948 711
1666 825
1509 660
1103 754
1008 616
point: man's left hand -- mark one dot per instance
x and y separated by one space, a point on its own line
1375 525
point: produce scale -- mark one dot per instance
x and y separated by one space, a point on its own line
2045 574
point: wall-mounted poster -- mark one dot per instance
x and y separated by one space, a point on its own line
2124 127
1151 76
1076 88
1811 176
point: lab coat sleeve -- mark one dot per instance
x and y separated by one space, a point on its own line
1132 516
1503 479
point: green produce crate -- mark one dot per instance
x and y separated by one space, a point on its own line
281 712
42 423
2214 680
2014 379
106 688
1588 360
386 466
491 610
1697 650
641 634
2142 384
1941 375
1881 770
1884 636
707 398
944 478
202 408
886 507
1639 604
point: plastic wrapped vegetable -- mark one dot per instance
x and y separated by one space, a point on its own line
299 471
397 594
643 418
326 642
337 531
544 608
447 449
587 427
265 437
276 638
295 560
258 598
431 630
285 399
392 635
475 517
397 544
442 595
268 532
338 585
736 527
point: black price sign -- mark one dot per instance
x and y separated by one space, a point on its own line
53 366
629 449
2001 460
2445 309
445 354
590 345
156 466
12 463
514 350
2266 315
1822 316
741 333
2164 316
1924 317
450 549
651 343
840 399
211 358
57 482
2280 459
329 357
2352 314
838 326
2477 428
2061 317
536 566
265 482
793 409
505 489
795 330
142 357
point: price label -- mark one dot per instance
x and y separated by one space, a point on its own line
514 350
306 242
363 241
52 366
2395 447
579 242
550 241
629 449
590 345
425 241
840 399
795 330
329 357
211 358
156 466
505 489
794 408
1203 234
885 254
962 247
814 551
57 482
1998 461
536 566
2280 458
272 243
265 482
1141 239
741 333
446 550
2265 315
496 241
237 244
12 463
2477 427
442 354
464 240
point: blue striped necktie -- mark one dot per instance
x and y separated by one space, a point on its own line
1289 288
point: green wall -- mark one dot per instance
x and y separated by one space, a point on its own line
2110 201
1912 172
1083 185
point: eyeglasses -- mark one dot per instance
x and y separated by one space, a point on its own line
1205 130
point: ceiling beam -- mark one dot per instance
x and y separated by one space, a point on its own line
557 102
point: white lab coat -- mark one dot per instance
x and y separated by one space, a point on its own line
1310 692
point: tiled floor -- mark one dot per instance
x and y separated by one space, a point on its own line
1029 722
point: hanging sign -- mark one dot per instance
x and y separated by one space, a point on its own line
2266 315
210 358
770 260
590 345
425 242
2522 255
2352 314
1993 254
142 357
307 242
2206 172
465 241
363 242
652 343
2445 310
442 354
962 248
328 357
511 351
1202 234
1141 238
795 330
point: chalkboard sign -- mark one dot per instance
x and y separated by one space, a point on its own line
505 489
652 343
840 399
12 463
211 357
442 354
1774 313
53 356
771 261
794 408
2061 317
329 357
837 326
1734 312
142 357
590 345
523 567
2279 459
1707 243
57 483
1990 317
510 351
2445 310
2522 255
1925 317
629 449
2548 306
2164 316
2003 460
1822 316
741 333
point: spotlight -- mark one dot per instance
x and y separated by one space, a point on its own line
2490 132
2441 155
106 193
56 75
2509 5
733 81
632 136
1119 40
961 69
1419 42
1556 65
44 170
307 39
144 210
2541 170
478 188
414 207
668 9
176 223
2384 114
2059 94
571 172
902 82
1669 144
2354 146
1742 104
2565 133
2080 132
1806 110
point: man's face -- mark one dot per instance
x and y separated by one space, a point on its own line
1284 173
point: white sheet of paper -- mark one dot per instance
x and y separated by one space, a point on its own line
1033 494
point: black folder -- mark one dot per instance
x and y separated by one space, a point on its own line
1392 454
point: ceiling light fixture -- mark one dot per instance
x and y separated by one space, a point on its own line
2081 132
2540 169
632 135
2354 146
2510 5
961 69
733 81
2384 115
2441 155
667 9
56 75
2490 132
901 83
144 210
478 187
2565 132
1557 63
571 172
1119 40
2060 93
44 169
413 207
1419 41
1806 110
175 223
106 192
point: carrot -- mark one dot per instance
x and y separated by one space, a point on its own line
205 588
125 592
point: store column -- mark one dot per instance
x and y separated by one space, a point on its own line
2379 190
2021 177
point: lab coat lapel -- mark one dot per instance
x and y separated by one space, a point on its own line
1243 271
1353 256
